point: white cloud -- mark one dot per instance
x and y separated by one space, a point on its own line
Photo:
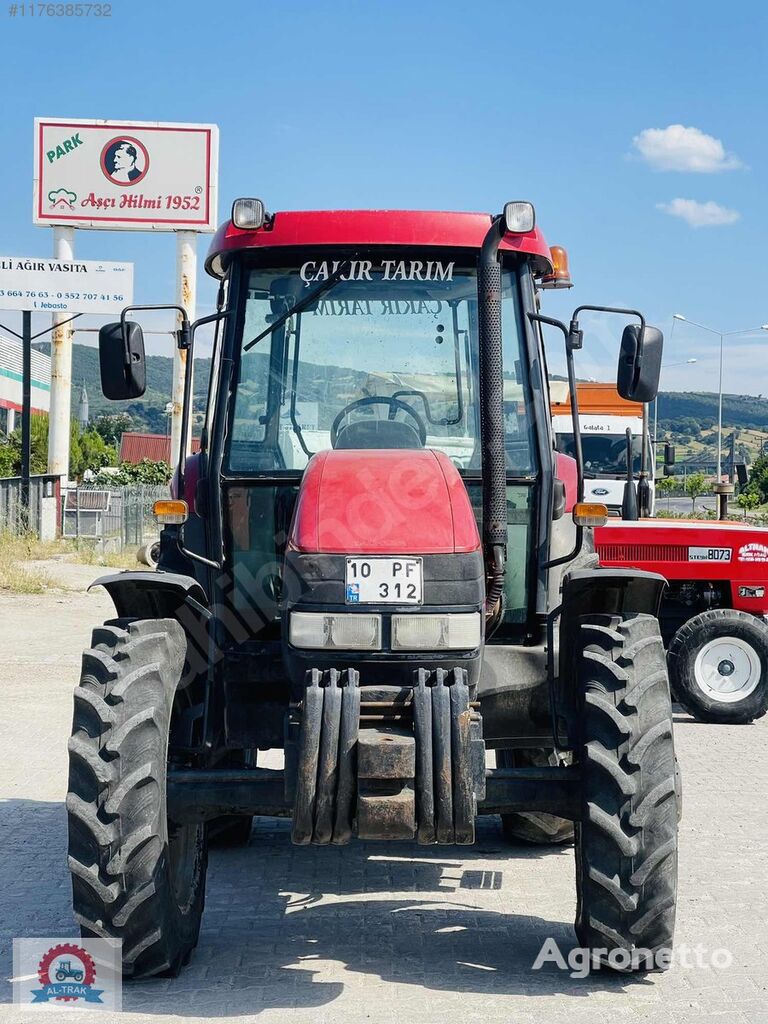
700 215
678 148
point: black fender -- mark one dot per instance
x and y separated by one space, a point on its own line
153 595
589 592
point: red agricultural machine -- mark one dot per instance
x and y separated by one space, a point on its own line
377 564
714 613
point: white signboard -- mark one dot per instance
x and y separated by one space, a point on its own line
51 285
142 176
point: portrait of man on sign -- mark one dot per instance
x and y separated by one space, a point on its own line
124 161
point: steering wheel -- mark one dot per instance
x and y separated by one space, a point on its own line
395 406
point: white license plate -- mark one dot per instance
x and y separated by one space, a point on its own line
709 554
384 581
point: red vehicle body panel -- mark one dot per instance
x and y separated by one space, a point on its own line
690 550
566 470
382 502
373 228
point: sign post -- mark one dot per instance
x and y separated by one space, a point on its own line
116 175
26 411
32 285
61 368
186 296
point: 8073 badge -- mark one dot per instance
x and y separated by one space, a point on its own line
62 973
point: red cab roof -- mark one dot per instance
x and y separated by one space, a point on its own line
371 227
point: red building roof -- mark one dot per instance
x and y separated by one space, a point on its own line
155 447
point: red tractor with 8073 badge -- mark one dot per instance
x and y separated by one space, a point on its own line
714 613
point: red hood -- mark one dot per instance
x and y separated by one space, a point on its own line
382 502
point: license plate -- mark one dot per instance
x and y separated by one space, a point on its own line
384 581
709 554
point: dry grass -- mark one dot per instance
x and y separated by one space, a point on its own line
14 551
88 554
16 577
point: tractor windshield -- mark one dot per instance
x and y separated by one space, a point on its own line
386 357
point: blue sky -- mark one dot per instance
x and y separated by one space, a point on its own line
448 105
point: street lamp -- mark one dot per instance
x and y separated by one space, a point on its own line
721 335
665 366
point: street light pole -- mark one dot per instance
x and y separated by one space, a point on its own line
665 366
721 335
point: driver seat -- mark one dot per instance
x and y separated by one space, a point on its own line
378 434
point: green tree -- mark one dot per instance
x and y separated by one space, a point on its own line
112 427
144 472
748 500
758 478
695 486
664 486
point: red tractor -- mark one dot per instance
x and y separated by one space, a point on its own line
377 564
714 612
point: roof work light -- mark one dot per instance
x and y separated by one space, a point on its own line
519 217
248 214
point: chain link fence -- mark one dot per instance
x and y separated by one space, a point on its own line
115 519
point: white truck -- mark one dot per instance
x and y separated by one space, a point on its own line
604 418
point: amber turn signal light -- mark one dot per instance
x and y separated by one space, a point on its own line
170 511
590 513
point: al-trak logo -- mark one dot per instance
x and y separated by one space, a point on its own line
67 974
753 552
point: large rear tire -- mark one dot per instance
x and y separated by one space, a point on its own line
135 875
718 665
533 827
626 842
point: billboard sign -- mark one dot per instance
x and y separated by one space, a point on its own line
141 176
60 286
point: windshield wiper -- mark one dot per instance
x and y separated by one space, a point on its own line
302 304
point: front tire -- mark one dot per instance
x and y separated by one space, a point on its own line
626 842
135 875
718 664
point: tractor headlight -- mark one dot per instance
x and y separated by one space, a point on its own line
335 632
459 632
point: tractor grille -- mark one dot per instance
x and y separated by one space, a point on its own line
633 553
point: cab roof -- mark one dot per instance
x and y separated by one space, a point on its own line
335 228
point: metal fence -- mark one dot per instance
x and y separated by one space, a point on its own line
113 518
16 518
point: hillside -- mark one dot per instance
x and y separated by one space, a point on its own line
686 417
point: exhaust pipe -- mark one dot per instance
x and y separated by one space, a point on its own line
494 466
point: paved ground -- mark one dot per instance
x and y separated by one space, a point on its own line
383 932
683 505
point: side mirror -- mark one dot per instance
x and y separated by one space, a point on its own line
122 361
669 455
668 470
639 370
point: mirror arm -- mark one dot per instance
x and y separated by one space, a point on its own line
576 335
578 453
182 334
186 411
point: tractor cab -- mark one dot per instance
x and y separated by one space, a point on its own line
379 565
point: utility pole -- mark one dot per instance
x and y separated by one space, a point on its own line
26 413
186 296
61 368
